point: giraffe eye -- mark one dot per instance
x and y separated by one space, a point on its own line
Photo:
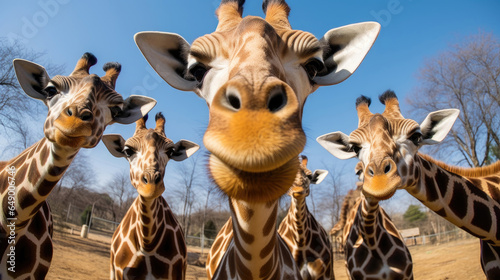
128 151
198 71
170 152
313 67
355 148
416 138
50 91
115 111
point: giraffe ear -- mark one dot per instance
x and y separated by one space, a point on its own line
184 149
134 108
437 124
318 176
167 54
32 77
344 48
115 144
337 143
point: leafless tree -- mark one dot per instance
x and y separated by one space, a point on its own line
15 106
78 179
189 178
466 76
121 191
79 176
329 195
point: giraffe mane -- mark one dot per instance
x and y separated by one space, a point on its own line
465 171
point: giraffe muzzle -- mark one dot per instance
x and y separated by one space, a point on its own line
74 122
255 131
381 179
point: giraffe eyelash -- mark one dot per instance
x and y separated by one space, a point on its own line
355 148
416 138
128 151
50 91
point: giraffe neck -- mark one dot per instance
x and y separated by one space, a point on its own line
299 219
148 211
255 237
465 201
368 216
38 169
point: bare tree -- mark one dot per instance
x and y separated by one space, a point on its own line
331 193
121 191
21 137
188 179
15 106
77 179
79 176
465 77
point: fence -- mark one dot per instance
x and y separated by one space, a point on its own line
431 239
103 226
438 238
202 242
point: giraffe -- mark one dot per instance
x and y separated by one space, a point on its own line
374 248
80 106
149 242
255 75
305 237
347 204
387 146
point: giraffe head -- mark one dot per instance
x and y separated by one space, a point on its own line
386 144
300 187
80 105
148 152
255 75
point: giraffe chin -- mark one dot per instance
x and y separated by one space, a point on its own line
150 191
61 139
379 197
254 141
381 187
253 186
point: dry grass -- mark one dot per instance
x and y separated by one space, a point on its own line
77 258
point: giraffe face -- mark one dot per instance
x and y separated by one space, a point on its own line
148 153
386 144
81 105
255 75
386 148
304 178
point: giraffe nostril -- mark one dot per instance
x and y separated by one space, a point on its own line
144 179
277 101
234 101
388 168
370 172
157 179
69 112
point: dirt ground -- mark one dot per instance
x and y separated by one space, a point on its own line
76 258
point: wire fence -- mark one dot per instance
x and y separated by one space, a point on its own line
438 238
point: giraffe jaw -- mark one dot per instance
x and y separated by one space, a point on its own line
255 141
253 187
151 191
381 187
62 139
70 132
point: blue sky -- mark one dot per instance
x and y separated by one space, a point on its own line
412 31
